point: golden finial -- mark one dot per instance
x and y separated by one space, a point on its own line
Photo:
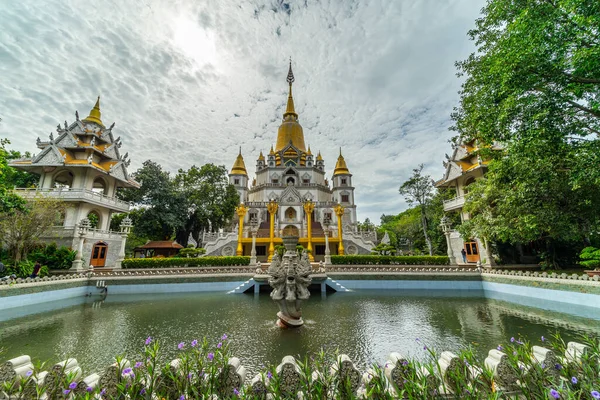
289 110
239 167
309 153
319 157
340 167
95 114
261 157
271 153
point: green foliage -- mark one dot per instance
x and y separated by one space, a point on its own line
24 269
191 252
534 86
591 257
185 262
8 200
54 257
389 260
418 191
384 249
175 207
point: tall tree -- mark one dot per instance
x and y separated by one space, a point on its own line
8 200
418 191
534 86
22 228
211 200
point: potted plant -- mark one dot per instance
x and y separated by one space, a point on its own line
590 257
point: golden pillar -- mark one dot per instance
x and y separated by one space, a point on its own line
272 209
241 211
309 206
339 211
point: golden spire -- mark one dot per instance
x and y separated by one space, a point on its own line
319 157
239 167
290 130
271 153
340 167
289 110
261 157
95 114
309 153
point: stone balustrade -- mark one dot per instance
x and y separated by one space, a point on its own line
344 380
542 275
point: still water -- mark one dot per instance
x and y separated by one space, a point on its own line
365 325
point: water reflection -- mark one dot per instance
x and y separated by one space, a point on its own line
365 325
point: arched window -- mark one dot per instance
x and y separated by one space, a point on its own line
290 214
290 181
94 218
99 186
63 180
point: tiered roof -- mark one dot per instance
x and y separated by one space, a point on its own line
84 143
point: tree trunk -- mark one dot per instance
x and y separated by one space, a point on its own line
424 224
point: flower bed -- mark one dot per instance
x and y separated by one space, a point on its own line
516 369
185 262
389 260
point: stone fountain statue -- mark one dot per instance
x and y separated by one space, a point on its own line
290 277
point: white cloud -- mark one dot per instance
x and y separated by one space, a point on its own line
188 82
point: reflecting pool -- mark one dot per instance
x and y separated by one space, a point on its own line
363 324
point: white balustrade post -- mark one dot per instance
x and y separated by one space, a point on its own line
125 229
82 229
327 252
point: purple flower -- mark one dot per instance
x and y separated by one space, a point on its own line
236 392
148 340
424 347
224 337
143 391
182 397
89 389
66 391
558 366
514 353
127 371
595 394
210 356
269 375
29 373
554 394
500 348
181 345
137 364
190 376
73 385
417 339
574 381
466 363
543 339
512 339
405 363
103 392
219 345
194 343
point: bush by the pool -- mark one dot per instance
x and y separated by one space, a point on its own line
389 260
132 263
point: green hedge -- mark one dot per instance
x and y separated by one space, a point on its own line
389 260
185 262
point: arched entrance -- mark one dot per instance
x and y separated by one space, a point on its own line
99 253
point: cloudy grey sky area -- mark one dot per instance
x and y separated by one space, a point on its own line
188 82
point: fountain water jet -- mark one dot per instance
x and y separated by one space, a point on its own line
290 278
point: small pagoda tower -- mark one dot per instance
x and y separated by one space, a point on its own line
83 167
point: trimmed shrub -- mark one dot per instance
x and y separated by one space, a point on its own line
186 262
590 257
389 260
191 252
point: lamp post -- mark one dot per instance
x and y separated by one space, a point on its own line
339 212
241 212
272 209
309 206
446 228
253 224
326 223
125 226
82 228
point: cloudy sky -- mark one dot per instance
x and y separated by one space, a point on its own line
189 81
